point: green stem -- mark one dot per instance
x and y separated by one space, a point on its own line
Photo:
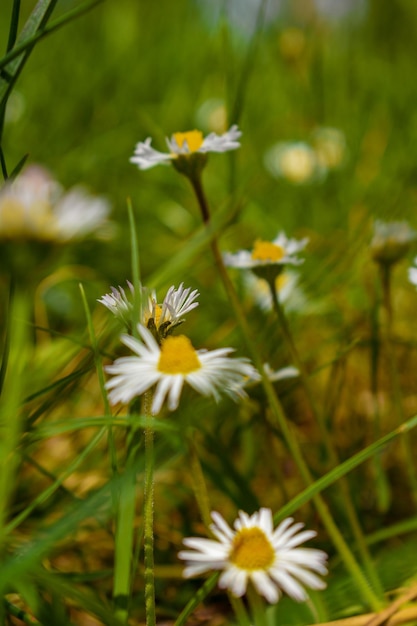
148 516
279 416
330 449
239 609
385 273
199 484
257 606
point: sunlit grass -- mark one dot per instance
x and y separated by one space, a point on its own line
96 499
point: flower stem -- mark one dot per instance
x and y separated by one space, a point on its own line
239 609
148 515
257 606
330 448
279 416
385 273
199 484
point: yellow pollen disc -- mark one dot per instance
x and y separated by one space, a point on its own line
251 550
267 251
193 138
178 356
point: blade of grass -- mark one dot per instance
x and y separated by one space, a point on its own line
10 402
17 50
342 469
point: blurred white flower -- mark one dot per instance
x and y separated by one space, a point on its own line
212 114
279 252
297 162
287 289
183 145
330 146
254 551
35 207
391 241
169 366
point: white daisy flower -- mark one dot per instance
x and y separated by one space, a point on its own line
170 365
255 552
162 318
35 207
391 241
278 253
329 146
119 303
412 274
286 287
295 161
185 144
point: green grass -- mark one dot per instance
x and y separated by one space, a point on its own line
72 468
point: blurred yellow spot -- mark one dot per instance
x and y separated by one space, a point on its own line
267 251
178 356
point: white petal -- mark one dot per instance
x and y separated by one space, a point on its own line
264 586
288 584
146 157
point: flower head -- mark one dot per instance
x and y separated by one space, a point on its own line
35 207
268 258
169 366
297 162
161 319
391 241
329 146
287 289
255 552
185 145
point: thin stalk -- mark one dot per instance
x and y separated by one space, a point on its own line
257 606
383 492
239 610
385 274
330 449
199 484
279 416
14 23
148 538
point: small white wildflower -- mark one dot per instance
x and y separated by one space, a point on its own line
169 366
185 144
254 551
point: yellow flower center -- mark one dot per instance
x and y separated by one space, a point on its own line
252 550
267 251
193 139
178 356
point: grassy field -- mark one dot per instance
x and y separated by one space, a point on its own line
99 486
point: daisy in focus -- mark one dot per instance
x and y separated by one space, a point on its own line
169 366
35 207
185 145
268 259
160 319
253 551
